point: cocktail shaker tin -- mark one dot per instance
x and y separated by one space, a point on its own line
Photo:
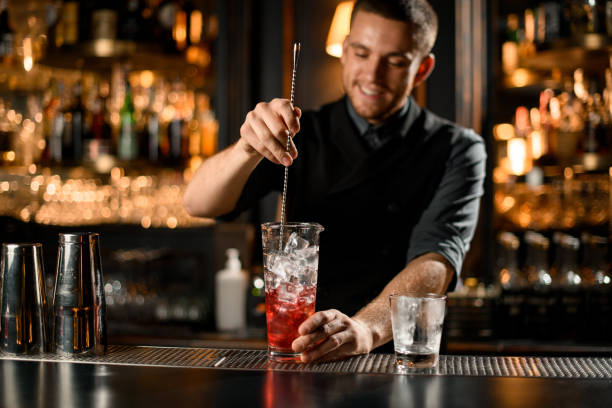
23 328
79 308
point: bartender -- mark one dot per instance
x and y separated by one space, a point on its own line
396 187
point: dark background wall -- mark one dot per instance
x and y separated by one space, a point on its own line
441 83
320 75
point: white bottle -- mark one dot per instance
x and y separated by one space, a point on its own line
231 286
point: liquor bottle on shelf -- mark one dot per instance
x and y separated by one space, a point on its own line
194 134
175 137
536 262
512 300
78 122
104 21
540 300
571 322
508 272
180 30
595 271
209 127
510 47
6 33
149 130
195 24
548 22
67 28
569 275
7 133
100 141
585 16
56 136
177 130
599 294
51 109
128 143
73 126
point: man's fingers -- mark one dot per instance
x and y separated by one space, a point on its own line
323 332
318 319
293 150
288 114
275 123
267 139
251 138
336 346
268 121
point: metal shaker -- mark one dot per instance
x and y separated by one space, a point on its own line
78 302
23 329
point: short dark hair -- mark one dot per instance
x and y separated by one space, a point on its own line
418 13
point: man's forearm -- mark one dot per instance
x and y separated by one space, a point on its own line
217 184
429 273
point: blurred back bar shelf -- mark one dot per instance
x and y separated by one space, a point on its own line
106 110
87 82
100 55
588 51
550 289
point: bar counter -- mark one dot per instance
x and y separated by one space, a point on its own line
131 376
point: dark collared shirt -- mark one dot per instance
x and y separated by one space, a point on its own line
375 136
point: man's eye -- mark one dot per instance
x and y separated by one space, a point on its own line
361 55
397 63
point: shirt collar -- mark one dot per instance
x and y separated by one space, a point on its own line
393 123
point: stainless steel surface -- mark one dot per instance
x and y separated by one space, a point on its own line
450 365
23 328
78 300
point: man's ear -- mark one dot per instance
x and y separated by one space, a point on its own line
427 65
344 50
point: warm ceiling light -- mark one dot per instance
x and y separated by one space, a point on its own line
339 29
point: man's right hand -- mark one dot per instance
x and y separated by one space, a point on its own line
265 131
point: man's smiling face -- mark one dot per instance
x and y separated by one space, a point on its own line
379 65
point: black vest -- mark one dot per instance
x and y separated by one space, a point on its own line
368 201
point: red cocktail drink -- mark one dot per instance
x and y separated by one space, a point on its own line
284 314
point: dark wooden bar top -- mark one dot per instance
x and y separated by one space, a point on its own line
196 377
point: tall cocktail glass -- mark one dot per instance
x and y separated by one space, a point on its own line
290 271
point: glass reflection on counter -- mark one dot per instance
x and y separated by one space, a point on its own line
14 375
406 392
288 390
70 384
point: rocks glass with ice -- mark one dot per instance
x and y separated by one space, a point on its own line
290 271
417 321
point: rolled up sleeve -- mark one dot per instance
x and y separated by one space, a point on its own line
447 225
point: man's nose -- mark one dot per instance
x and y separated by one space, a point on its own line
375 69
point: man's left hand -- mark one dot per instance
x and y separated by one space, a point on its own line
331 335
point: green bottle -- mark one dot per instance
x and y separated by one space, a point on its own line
128 143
